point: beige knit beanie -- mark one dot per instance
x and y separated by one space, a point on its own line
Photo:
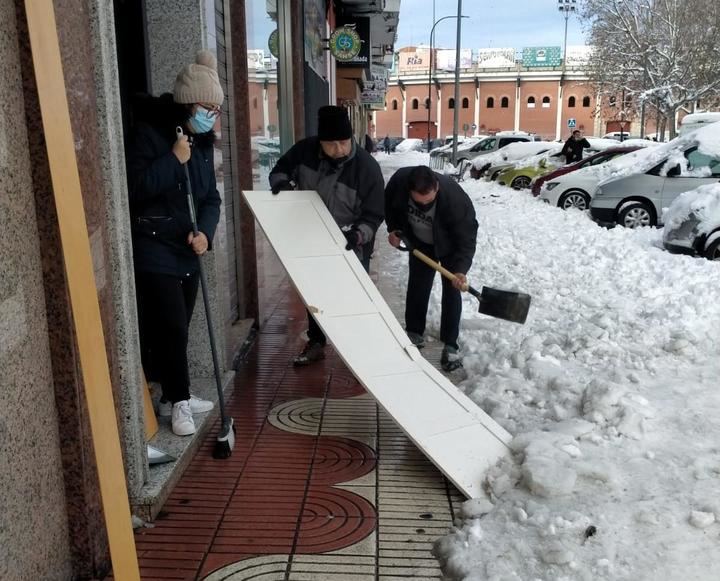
198 82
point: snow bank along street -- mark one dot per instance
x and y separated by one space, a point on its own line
610 390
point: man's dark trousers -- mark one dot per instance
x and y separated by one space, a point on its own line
420 282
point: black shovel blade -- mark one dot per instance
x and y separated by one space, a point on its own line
502 304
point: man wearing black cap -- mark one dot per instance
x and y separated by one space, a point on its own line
349 181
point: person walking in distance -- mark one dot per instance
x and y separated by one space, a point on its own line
166 252
350 183
573 148
438 218
386 144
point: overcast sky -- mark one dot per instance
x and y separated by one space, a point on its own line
492 23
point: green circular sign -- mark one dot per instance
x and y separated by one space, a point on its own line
274 43
345 43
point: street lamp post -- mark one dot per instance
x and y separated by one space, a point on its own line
430 69
565 6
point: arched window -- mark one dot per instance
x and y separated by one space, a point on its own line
451 103
490 103
394 104
571 101
504 102
531 102
415 103
546 102
465 103
628 102
612 101
586 101
427 103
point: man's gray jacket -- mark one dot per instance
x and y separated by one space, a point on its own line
353 190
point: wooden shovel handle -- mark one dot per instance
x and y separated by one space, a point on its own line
437 266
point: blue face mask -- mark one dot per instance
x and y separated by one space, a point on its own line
202 121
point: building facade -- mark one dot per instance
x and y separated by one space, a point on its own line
498 92
51 525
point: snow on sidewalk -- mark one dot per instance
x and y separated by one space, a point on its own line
610 390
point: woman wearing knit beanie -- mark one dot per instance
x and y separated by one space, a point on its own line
165 250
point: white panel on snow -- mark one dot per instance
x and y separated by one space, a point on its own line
456 435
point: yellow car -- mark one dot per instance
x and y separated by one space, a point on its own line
520 178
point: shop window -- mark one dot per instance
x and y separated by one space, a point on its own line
465 103
504 102
451 103
531 102
571 102
586 101
490 103
415 103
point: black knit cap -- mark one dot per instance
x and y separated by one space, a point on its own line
333 124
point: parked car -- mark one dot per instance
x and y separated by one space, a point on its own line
520 175
409 144
695 121
635 197
558 188
692 223
622 136
440 157
492 164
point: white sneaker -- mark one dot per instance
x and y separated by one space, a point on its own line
197 406
182 420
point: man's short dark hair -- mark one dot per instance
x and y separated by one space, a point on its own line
422 180
576 131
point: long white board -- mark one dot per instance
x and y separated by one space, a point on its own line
453 432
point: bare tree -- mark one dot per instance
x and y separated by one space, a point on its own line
662 53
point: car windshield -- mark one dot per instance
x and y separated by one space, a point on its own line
487 144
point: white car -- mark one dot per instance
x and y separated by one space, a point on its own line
692 223
410 144
637 195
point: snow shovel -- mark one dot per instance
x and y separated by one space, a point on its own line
501 304
226 439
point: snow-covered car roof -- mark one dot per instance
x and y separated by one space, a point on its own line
467 143
600 143
410 144
704 205
513 152
535 160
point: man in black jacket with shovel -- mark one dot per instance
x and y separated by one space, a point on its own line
437 217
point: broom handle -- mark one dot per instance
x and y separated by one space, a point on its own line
437 266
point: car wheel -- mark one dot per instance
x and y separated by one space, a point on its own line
574 199
712 252
636 215
521 183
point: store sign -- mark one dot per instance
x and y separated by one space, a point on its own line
413 60
541 56
373 99
446 59
496 58
274 43
350 43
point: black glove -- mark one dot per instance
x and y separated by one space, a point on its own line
282 186
354 238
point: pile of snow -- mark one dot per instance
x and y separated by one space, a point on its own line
702 203
536 160
409 145
513 152
463 143
600 143
610 393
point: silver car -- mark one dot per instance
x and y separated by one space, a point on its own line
439 159
683 164
692 223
